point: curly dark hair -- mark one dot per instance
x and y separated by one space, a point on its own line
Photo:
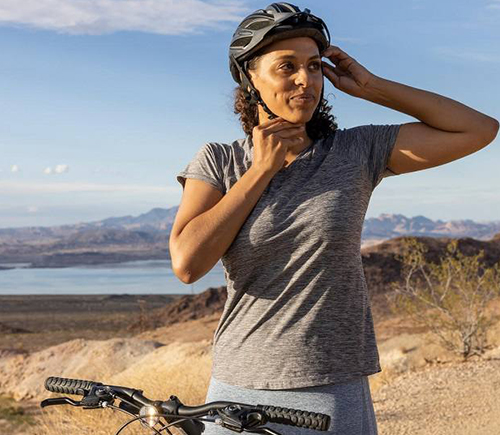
321 124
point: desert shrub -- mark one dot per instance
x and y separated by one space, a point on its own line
449 297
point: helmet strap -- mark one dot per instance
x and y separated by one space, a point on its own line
252 95
318 107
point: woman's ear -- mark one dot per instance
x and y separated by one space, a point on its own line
251 75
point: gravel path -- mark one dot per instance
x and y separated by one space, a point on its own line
454 399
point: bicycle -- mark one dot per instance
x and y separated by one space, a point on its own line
188 420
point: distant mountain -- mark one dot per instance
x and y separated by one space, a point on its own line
112 240
157 219
143 237
388 226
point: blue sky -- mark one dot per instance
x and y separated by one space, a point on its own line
103 102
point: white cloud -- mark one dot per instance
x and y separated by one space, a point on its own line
15 168
494 5
32 209
168 17
60 169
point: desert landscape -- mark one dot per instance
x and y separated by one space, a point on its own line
162 345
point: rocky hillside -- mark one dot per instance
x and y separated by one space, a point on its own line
145 237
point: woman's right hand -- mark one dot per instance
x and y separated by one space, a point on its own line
271 141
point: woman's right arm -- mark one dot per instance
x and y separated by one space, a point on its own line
208 221
197 244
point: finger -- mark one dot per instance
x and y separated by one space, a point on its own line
346 64
330 74
271 122
294 128
328 51
334 69
289 133
334 52
291 141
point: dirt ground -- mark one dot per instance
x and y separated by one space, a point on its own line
422 389
48 320
458 399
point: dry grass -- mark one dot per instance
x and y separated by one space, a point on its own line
179 369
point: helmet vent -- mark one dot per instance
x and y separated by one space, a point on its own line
257 25
241 42
283 7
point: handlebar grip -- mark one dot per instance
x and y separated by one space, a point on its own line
69 386
296 417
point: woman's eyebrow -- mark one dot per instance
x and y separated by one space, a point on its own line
291 56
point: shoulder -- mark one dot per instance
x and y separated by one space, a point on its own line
227 154
367 136
226 148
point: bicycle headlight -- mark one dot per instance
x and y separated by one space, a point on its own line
150 414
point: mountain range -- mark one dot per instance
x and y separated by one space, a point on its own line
142 237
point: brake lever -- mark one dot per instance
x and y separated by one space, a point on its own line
59 401
88 402
239 419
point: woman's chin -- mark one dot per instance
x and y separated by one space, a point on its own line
297 117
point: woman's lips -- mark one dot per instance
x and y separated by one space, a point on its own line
303 99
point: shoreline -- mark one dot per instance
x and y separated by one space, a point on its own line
26 265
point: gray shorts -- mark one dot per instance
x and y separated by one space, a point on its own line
348 404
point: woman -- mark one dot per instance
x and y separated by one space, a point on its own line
284 209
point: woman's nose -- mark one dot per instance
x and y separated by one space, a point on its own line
303 77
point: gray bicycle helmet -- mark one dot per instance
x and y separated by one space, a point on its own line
263 27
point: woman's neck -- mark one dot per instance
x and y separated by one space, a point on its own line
295 150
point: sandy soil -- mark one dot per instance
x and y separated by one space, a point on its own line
423 388
454 399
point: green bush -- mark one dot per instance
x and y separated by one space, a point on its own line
450 297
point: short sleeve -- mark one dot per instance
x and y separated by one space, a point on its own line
207 165
378 142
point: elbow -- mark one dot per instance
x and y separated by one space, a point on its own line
184 276
180 267
496 125
181 271
490 132
177 262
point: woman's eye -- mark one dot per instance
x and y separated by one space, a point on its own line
315 66
287 66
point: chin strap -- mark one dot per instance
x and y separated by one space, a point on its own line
252 95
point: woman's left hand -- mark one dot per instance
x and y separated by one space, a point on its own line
346 73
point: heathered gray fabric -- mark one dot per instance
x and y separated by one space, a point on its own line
297 312
349 406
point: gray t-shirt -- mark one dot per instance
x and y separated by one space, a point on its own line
297 312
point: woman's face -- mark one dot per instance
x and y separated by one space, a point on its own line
289 78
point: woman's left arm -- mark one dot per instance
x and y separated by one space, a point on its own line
448 130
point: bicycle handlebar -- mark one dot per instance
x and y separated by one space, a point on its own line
234 415
69 386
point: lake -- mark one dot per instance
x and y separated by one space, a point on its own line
138 277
